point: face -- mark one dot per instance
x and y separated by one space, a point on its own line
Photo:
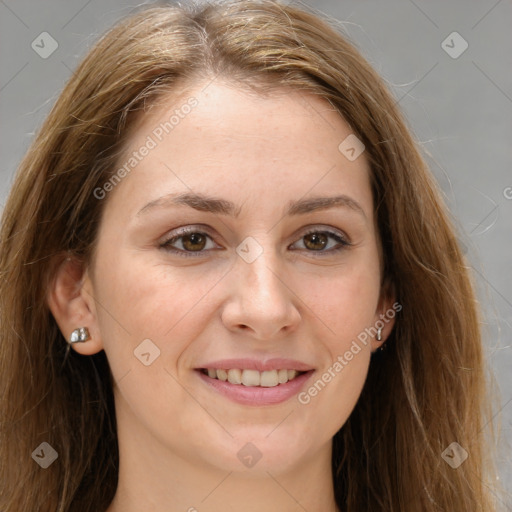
218 258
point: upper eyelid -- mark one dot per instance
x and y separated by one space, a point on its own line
186 230
200 228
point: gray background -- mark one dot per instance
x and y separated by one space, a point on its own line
460 109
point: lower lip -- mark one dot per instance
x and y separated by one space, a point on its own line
257 395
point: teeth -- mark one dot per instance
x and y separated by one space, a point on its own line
282 376
251 378
266 379
292 374
235 376
269 379
222 375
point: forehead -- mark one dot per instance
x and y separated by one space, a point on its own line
222 140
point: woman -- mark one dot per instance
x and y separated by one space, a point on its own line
229 282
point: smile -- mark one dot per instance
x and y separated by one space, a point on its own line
246 377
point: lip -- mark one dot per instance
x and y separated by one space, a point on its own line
277 363
257 395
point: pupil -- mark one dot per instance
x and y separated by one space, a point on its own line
317 240
191 242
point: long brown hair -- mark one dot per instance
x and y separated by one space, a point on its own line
425 391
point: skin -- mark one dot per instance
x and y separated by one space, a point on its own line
178 438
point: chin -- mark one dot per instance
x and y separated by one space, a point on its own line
260 451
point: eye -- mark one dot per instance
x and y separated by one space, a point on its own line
323 241
188 242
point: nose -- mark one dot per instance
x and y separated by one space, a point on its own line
263 304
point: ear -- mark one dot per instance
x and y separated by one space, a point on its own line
385 314
71 301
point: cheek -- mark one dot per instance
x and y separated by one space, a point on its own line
139 300
332 396
148 317
345 301
346 305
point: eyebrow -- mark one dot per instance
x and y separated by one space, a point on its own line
220 206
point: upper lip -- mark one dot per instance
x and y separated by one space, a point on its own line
257 364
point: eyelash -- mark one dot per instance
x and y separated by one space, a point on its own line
165 245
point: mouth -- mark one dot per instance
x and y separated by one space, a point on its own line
253 378
255 382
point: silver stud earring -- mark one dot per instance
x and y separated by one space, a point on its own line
379 334
79 335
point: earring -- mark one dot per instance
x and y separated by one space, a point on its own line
79 335
379 334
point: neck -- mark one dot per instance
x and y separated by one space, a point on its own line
225 492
